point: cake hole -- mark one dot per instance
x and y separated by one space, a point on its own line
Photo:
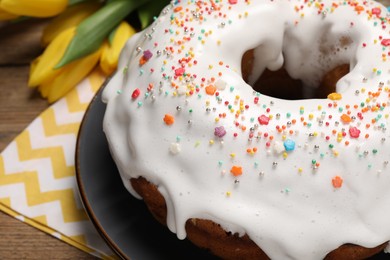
279 84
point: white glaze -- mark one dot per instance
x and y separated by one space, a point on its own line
285 203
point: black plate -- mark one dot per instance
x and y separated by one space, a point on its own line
123 221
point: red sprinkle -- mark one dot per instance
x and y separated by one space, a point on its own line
136 93
385 42
354 132
179 72
263 120
376 11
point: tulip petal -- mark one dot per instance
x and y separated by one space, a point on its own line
35 8
110 54
70 76
4 15
71 17
44 68
92 31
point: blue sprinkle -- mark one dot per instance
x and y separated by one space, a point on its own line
289 145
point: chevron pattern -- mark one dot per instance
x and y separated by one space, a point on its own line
37 172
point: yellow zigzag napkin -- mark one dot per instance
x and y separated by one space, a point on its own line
37 172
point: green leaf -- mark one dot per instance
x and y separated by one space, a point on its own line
73 2
148 11
91 32
112 35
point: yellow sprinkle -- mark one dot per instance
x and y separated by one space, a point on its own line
335 153
210 67
335 96
319 107
300 170
285 155
311 116
228 193
232 155
219 42
284 137
217 119
211 142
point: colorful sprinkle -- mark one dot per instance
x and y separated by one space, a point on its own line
236 170
169 119
337 182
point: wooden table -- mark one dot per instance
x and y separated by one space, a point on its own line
19 105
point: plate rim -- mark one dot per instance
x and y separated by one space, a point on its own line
82 192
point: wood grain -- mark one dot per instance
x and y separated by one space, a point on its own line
19 105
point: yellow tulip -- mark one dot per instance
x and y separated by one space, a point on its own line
35 8
4 15
110 54
71 17
70 75
43 69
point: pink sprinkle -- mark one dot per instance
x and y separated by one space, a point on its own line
179 71
354 132
147 55
220 131
136 93
385 42
232 2
263 120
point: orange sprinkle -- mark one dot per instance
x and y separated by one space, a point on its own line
236 170
346 118
142 61
169 119
178 9
337 182
210 90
